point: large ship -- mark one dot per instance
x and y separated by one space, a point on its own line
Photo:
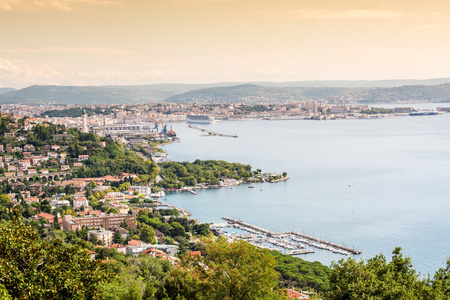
201 119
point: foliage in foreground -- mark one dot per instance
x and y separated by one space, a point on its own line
33 269
298 273
377 279
227 270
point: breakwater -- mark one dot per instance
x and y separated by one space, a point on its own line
211 133
309 240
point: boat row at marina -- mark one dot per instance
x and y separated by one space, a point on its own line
291 242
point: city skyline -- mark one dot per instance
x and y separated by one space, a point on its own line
102 42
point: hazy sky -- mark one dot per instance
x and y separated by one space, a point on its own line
98 42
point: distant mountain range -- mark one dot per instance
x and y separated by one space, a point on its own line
431 90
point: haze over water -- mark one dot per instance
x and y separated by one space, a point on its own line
370 184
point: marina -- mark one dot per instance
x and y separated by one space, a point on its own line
291 242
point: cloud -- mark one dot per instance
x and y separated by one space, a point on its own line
18 72
321 14
64 5
68 50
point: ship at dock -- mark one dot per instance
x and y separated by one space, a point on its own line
200 119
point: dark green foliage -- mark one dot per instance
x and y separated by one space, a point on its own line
377 279
376 110
33 269
298 273
75 112
200 171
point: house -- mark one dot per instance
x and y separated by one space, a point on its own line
141 189
9 158
115 196
11 168
19 173
30 200
46 148
1 148
55 147
10 174
83 157
119 248
65 167
59 203
105 236
18 186
32 171
9 148
2 164
78 164
62 160
44 171
50 218
35 187
136 243
52 155
29 148
78 203
293 294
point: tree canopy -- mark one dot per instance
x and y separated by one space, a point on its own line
33 269
226 270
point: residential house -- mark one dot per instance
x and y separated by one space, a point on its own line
32 171
115 196
31 200
83 157
108 221
29 148
50 218
78 203
35 187
56 147
105 236
65 167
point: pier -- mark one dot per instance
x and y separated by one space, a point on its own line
300 237
211 133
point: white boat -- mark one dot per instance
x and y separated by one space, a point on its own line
201 119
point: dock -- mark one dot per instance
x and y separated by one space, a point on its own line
211 133
300 237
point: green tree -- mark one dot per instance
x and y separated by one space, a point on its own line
118 238
148 234
32 269
377 279
227 270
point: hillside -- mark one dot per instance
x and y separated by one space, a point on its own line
84 95
6 90
409 93
251 94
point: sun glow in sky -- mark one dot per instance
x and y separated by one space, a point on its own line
100 42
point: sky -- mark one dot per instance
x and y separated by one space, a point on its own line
126 42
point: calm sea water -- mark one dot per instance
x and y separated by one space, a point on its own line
370 184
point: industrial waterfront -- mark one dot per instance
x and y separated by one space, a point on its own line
370 185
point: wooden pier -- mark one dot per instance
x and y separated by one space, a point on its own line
211 133
313 241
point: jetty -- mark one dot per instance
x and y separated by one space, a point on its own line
300 237
211 133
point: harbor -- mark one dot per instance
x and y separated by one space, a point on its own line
211 133
291 242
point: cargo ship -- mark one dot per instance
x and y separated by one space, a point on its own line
200 119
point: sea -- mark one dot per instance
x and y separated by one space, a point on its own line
370 184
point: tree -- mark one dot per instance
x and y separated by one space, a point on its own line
377 279
118 238
32 269
227 270
148 234
4 199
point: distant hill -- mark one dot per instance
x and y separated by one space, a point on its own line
250 93
408 93
84 95
434 90
6 90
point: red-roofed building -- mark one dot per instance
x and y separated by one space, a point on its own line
135 243
50 218
293 294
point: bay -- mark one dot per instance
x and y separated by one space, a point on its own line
371 184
